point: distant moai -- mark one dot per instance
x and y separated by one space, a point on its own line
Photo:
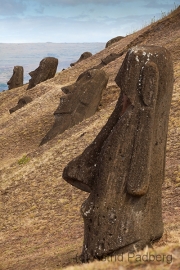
83 56
80 102
21 103
113 40
46 70
17 78
123 168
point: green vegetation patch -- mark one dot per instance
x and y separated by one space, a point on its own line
23 160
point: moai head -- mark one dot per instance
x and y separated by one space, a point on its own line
21 103
46 70
17 78
82 100
123 169
83 56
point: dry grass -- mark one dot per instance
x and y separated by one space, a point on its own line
40 223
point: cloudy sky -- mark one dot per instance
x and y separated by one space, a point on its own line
76 20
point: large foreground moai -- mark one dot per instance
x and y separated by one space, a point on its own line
46 70
17 78
82 100
123 169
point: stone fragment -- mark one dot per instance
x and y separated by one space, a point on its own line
123 168
21 103
46 70
82 100
113 40
83 56
17 78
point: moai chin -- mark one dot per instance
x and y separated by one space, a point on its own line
123 169
17 78
46 70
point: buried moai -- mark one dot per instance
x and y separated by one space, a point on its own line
123 168
46 70
80 102
83 56
17 78
21 103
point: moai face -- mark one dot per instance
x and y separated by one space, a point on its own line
82 100
17 78
123 169
46 70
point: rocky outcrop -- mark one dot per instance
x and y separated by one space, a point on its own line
46 70
83 56
21 103
17 78
113 40
82 100
123 168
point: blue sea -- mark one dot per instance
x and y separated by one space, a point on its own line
29 55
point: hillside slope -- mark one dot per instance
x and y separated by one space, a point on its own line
40 226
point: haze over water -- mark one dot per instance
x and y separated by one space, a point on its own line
29 55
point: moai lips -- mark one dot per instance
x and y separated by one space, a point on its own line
17 78
123 169
82 100
46 70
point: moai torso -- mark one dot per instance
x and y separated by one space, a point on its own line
123 169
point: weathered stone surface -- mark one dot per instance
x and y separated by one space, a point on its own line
113 40
123 169
21 103
83 56
82 100
17 78
46 70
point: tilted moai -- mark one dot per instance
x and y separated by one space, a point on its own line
123 169
17 78
21 103
80 102
46 70
83 56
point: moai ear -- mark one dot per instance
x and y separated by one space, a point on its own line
140 166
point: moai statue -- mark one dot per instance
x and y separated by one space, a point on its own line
21 103
123 169
80 102
83 56
46 70
17 78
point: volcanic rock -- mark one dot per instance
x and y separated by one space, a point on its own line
123 168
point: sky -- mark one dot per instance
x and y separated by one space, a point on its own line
72 21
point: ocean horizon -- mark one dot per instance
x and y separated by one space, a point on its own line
29 56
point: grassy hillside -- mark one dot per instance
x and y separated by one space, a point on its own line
41 226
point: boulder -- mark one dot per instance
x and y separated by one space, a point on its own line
21 103
82 100
83 56
46 70
123 168
17 78
113 40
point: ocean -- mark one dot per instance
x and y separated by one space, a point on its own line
29 55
